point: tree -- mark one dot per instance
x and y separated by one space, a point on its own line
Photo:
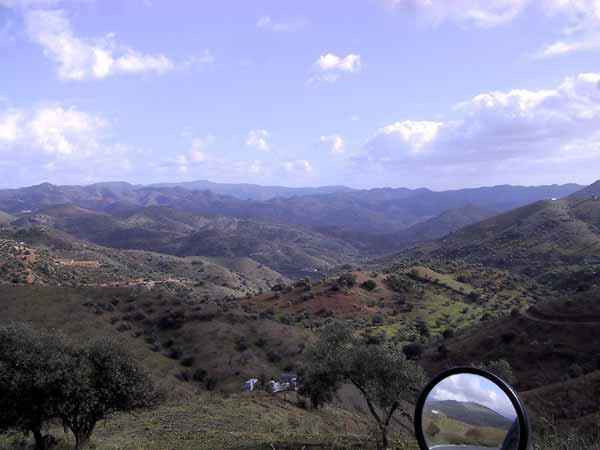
33 367
104 380
45 377
382 374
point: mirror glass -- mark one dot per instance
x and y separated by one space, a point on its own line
469 412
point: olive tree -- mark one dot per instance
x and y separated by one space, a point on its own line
386 379
44 377
104 380
34 365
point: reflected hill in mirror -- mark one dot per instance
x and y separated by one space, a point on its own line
470 425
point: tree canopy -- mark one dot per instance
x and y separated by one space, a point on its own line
43 376
385 378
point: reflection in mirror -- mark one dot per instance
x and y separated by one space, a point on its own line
469 412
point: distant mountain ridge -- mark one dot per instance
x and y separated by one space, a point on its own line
349 222
244 191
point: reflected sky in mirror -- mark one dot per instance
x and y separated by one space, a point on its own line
466 387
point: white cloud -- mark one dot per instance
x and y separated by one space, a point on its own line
583 29
80 59
267 23
10 126
194 156
52 130
335 142
329 67
298 166
582 17
62 131
514 127
258 139
481 13
59 143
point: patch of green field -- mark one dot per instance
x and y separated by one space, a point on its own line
446 280
444 430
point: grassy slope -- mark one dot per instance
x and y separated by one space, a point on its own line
533 239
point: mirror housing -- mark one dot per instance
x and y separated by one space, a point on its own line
461 421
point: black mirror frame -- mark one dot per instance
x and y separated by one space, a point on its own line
524 430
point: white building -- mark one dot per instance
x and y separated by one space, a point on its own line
250 384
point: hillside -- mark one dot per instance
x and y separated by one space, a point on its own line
374 212
44 256
291 251
470 413
593 190
552 239
6 218
445 223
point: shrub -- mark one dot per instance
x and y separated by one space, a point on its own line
199 375
422 327
241 344
368 285
347 280
413 351
187 361
175 353
377 319
211 383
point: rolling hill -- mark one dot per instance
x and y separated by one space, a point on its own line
550 236
292 251
470 413
47 257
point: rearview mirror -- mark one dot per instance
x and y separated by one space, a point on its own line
470 409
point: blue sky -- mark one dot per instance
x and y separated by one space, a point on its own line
442 94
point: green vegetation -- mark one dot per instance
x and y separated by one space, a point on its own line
384 377
44 377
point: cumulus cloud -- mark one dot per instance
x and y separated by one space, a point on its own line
53 130
329 67
298 166
80 59
60 143
495 128
258 139
335 143
286 26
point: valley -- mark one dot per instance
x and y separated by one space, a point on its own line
206 299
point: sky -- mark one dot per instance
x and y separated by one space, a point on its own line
466 387
441 94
